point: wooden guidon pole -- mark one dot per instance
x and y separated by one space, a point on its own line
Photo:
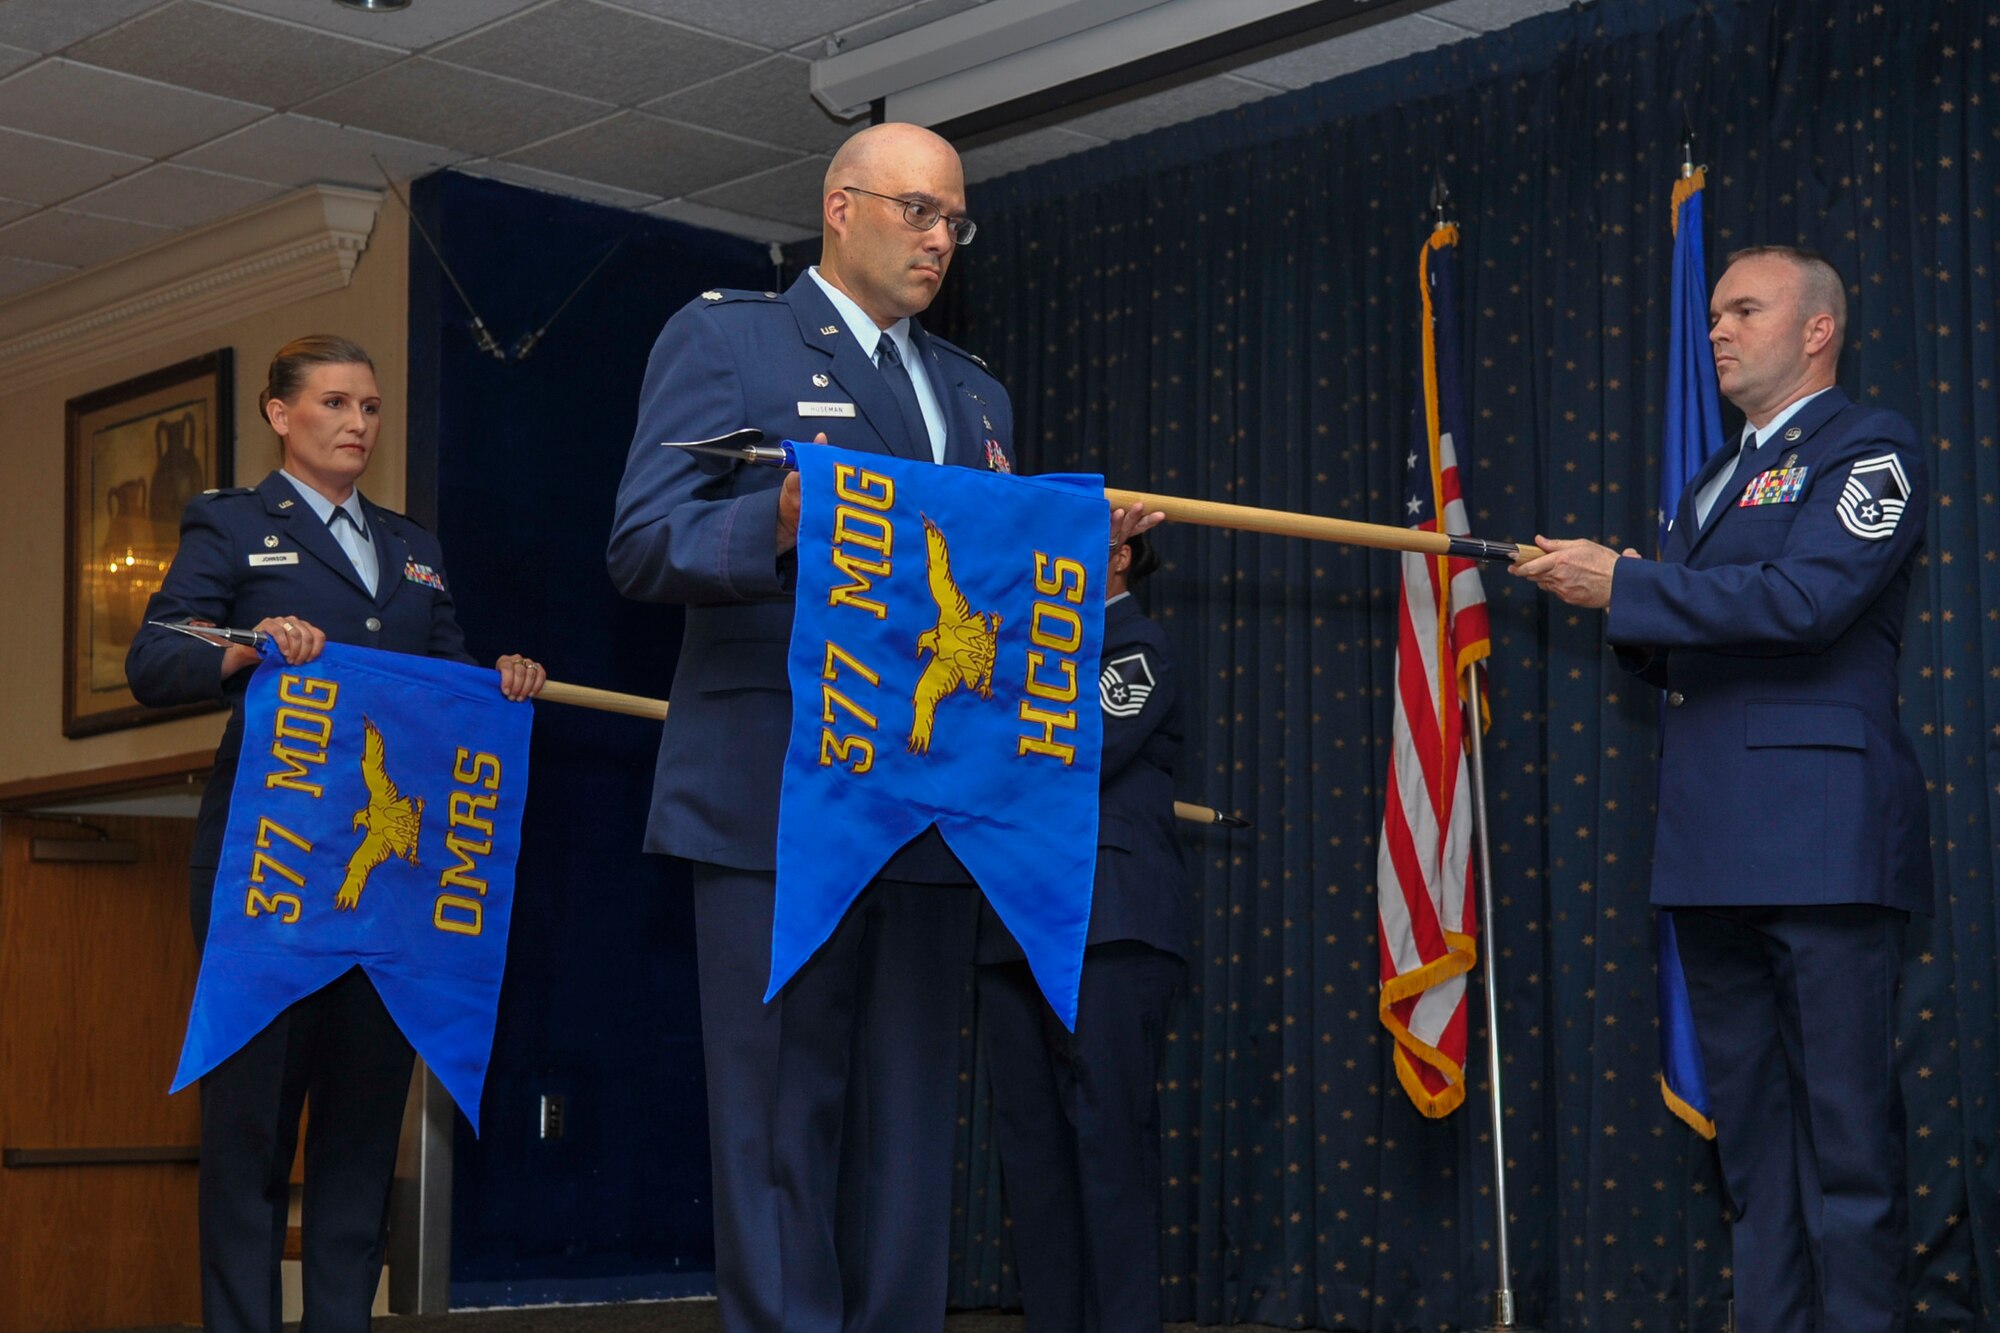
1281 523
638 705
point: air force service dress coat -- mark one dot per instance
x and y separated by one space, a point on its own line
246 554
1792 841
1140 891
1075 1115
698 532
1775 630
831 1109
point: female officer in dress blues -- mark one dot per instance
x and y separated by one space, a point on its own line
1075 1115
306 558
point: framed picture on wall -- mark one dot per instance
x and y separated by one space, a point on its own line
137 452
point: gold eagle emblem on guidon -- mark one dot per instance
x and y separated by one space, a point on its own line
961 647
392 819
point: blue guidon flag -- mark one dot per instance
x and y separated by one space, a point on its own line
949 625
374 824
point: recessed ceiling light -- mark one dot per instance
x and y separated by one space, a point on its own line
373 6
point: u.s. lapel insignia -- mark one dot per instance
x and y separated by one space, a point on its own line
996 457
828 330
286 504
1792 433
820 381
270 541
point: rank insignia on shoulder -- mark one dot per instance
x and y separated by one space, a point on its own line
1871 502
424 574
996 457
711 295
1779 486
1124 685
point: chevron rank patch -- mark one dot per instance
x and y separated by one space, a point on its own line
1124 685
1872 500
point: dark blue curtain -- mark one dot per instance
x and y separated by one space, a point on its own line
1229 310
514 464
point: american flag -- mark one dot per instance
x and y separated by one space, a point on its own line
1429 928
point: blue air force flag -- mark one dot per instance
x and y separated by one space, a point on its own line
949 621
374 823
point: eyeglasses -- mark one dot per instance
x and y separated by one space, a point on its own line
923 216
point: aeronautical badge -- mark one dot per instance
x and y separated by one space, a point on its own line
1124 685
424 574
1871 503
996 457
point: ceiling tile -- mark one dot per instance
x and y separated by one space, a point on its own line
53 236
1491 15
423 24
1353 51
639 152
173 196
13 57
733 224
773 24
18 275
1024 150
43 171
597 51
1174 106
550 182
461 108
14 208
770 100
65 100
791 194
232 54
50 25
297 150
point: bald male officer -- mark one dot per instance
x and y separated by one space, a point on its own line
832 1110
1792 841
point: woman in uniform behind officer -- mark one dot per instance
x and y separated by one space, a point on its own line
307 559
1075 1115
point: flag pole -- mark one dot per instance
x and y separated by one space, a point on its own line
1504 1318
745 446
638 705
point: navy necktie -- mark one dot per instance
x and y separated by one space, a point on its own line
1739 477
904 392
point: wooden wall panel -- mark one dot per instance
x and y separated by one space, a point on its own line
97 968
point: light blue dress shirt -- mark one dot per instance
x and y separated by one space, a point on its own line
1753 441
868 335
354 537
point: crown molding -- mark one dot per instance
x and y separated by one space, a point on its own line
302 245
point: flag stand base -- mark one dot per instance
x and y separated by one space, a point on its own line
1503 1314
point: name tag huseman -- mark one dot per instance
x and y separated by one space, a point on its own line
273 558
826 409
